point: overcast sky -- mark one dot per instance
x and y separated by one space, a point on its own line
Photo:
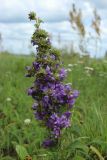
16 29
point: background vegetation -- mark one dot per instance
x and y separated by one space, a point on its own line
86 139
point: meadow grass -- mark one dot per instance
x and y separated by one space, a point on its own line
85 139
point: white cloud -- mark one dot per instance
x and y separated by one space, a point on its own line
56 15
101 4
49 10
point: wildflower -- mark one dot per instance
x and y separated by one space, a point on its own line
53 99
35 105
8 99
31 91
89 68
56 123
70 65
69 70
62 73
36 65
75 93
27 121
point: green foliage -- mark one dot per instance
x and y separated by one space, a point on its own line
86 139
94 150
21 151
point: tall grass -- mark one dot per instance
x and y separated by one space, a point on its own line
85 139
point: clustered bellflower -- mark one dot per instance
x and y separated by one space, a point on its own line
53 100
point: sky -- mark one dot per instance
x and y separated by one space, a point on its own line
16 29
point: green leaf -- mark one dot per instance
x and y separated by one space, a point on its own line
95 150
21 151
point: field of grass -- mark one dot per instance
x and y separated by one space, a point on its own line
86 139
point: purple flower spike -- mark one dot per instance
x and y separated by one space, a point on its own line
36 66
68 88
53 98
62 74
57 123
67 114
48 71
30 91
75 93
34 106
53 57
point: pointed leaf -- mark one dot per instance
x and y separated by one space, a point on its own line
21 151
95 150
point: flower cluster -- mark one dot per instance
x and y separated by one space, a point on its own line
56 123
53 99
